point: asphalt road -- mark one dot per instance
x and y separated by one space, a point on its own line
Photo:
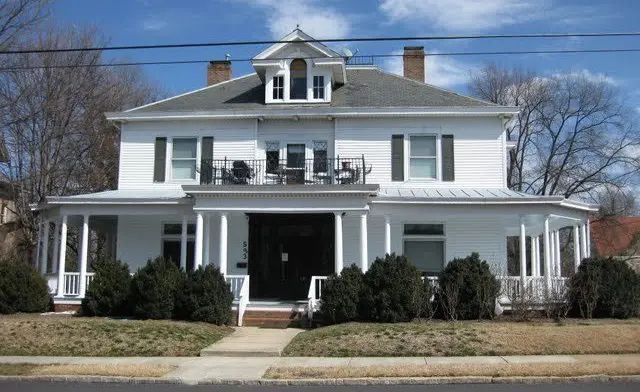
28 386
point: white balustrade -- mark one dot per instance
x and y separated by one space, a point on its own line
235 281
239 285
315 294
72 283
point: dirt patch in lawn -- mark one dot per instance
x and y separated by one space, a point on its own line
76 336
469 338
22 369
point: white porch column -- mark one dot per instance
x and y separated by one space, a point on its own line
558 257
198 246
364 257
223 243
183 243
523 251
583 241
338 248
576 247
44 252
387 234
36 260
63 255
532 250
588 238
547 254
56 247
552 249
206 258
84 253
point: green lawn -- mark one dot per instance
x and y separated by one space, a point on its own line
76 336
469 338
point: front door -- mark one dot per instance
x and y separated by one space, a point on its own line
285 251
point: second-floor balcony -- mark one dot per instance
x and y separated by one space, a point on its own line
323 171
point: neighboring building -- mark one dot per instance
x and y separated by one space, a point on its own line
308 165
618 237
8 239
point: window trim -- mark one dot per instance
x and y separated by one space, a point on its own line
319 88
306 79
427 237
280 88
198 157
438 156
175 237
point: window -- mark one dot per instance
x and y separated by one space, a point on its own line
183 159
278 87
172 243
273 156
298 81
318 87
295 155
424 246
320 156
422 156
3 213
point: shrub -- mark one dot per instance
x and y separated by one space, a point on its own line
605 287
108 293
154 288
468 289
341 296
22 289
204 296
393 291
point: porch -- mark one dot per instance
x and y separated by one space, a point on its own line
276 245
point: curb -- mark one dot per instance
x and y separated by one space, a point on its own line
95 379
330 382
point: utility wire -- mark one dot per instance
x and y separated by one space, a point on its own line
363 57
355 39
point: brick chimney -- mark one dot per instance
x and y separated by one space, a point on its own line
218 71
413 60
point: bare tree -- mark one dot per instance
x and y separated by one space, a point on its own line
56 136
18 17
574 135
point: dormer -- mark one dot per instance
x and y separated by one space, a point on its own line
299 72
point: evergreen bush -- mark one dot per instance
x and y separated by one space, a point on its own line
204 295
154 288
341 296
109 291
22 289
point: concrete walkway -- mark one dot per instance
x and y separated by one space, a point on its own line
213 369
252 342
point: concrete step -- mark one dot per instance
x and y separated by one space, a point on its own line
271 318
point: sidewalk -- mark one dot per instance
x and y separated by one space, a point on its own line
238 369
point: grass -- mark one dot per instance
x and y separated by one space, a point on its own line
493 370
24 369
469 338
100 337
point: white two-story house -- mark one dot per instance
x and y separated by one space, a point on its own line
305 166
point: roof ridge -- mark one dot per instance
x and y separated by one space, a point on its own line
437 87
189 92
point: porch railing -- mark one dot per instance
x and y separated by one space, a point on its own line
316 171
315 294
239 285
72 283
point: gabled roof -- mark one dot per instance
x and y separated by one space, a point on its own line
366 88
297 35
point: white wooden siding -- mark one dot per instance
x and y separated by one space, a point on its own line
139 239
233 139
478 148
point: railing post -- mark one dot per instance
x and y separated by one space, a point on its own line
364 171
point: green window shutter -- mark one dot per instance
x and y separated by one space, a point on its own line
397 157
448 171
207 148
160 159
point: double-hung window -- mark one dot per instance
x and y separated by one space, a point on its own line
172 243
423 158
278 87
424 246
183 159
318 87
273 156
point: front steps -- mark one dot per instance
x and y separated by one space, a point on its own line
273 315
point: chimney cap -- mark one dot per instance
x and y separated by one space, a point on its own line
220 62
414 48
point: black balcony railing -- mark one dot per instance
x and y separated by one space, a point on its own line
325 171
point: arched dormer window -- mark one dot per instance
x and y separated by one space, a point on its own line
298 80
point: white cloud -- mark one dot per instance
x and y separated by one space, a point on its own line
462 15
440 71
316 19
154 23
594 77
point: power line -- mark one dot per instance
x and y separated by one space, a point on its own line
180 62
355 39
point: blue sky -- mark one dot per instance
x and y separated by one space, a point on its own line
129 22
